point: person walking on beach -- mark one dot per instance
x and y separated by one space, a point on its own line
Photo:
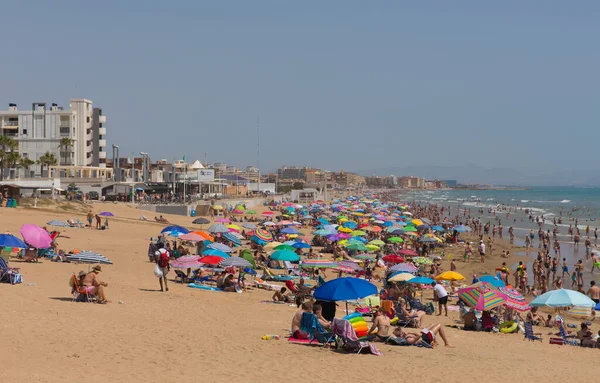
596 237
565 268
579 270
482 250
90 218
441 295
527 243
595 263
511 233
162 260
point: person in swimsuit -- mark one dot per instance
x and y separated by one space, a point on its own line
595 262
382 324
428 335
296 332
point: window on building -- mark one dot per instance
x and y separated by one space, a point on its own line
25 155
25 131
64 131
88 118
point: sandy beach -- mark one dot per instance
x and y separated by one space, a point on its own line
189 335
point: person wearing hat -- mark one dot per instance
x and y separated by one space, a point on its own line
93 285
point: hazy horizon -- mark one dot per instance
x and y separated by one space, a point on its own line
338 85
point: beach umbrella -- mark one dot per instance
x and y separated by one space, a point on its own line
218 228
251 212
422 261
223 220
174 230
481 298
377 242
562 298
285 255
364 256
580 311
301 245
421 280
247 255
219 246
344 289
426 239
514 299
56 222
397 231
217 207
400 277
215 252
191 237
186 262
204 235
319 263
492 280
461 228
438 228
210 260
395 240
449 276
358 233
408 252
392 258
200 221
106 214
268 213
285 247
36 236
231 237
86 256
235 262
249 226
405 267
290 230
357 246
9 240
350 265
233 227
263 235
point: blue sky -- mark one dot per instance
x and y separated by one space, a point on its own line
346 85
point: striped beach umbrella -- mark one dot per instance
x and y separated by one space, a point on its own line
263 235
249 226
319 264
220 247
231 237
218 228
235 262
56 222
481 298
215 252
405 267
514 299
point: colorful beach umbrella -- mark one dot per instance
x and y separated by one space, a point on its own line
481 298
395 240
285 247
9 240
408 252
192 237
285 255
174 230
514 299
106 214
263 235
319 263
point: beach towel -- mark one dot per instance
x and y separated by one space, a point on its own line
344 330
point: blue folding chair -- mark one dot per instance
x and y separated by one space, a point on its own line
529 334
310 325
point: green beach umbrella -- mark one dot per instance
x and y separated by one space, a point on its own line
409 228
395 240
377 242
357 246
358 233
247 255
285 247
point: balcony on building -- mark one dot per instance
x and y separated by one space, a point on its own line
102 143
102 155
101 131
102 119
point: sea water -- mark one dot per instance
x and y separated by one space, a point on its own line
567 203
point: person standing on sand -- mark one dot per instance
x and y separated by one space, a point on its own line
440 293
482 251
565 268
162 260
594 292
90 218
511 233
579 271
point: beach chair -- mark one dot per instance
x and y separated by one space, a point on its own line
272 277
565 338
183 278
530 335
9 274
346 338
80 293
309 323
261 284
290 267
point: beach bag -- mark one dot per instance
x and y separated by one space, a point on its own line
157 271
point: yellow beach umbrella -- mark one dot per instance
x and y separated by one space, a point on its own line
234 227
372 247
272 245
449 276
345 230
417 222
402 277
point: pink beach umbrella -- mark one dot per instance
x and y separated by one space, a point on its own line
223 220
36 236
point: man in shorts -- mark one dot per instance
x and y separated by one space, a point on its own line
594 292
441 295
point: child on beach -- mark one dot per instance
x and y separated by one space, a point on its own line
573 279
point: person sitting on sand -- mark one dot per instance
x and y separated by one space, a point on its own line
296 332
414 316
318 311
281 296
585 336
470 320
381 322
229 285
94 286
427 335
534 317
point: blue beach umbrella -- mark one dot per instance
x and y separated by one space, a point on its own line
290 230
175 230
285 255
345 289
9 240
216 252
232 238
562 298
438 228
492 280
421 280
301 245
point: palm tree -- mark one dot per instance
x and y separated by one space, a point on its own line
25 163
65 143
47 159
8 146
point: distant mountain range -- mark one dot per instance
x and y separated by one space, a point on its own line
475 174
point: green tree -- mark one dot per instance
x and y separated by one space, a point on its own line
64 145
8 148
25 163
47 159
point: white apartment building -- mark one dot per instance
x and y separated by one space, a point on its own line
41 129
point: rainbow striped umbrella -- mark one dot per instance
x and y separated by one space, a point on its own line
263 235
319 263
581 311
514 299
481 298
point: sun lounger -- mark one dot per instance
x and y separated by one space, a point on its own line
261 284
272 277
565 338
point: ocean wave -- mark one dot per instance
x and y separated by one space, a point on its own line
565 201
524 200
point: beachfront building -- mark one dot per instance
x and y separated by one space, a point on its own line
411 182
72 137
390 181
347 180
